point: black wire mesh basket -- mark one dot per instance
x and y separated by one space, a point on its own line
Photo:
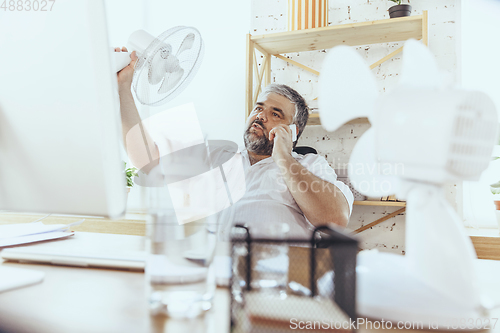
283 285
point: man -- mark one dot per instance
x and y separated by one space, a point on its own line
281 186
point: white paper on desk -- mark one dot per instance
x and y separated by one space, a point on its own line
24 229
13 277
34 238
223 270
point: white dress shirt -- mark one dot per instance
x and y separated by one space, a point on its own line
256 194
267 200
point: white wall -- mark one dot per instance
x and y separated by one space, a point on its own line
219 86
269 16
480 69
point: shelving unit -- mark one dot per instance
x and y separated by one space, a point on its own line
363 33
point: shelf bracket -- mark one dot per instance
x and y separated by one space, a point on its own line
380 220
424 41
255 65
259 81
387 57
293 62
254 75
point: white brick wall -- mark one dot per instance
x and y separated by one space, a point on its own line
269 16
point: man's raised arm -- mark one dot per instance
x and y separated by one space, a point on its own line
320 201
139 144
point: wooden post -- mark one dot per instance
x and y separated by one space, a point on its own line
425 28
249 76
267 79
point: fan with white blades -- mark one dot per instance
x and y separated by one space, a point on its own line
424 134
166 63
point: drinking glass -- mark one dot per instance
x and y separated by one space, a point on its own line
181 235
270 260
180 272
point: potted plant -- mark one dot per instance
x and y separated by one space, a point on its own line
495 190
130 173
399 10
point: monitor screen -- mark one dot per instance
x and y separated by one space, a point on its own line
60 130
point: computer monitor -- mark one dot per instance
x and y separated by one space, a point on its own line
60 129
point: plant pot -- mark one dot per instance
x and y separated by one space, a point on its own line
400 11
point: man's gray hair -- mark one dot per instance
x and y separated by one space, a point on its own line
301 109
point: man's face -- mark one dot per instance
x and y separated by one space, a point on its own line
270 111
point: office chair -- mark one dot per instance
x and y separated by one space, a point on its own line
304 150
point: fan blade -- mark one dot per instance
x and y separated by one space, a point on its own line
171 61
157 67
171 81
419 67
172 64
347 88
366 174
187 43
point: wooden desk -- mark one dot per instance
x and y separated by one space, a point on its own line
135 224
132 224
100 300
72 299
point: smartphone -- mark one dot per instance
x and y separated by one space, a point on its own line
294 132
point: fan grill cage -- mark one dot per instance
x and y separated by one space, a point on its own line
169 41
474 130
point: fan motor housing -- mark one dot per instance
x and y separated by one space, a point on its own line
436 136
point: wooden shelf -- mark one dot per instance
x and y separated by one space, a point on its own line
363 33
372 32
381 203
315 120
135 226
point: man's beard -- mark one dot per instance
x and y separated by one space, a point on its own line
260 145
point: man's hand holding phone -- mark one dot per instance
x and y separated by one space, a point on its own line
283 136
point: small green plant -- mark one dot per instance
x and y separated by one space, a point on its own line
397 1
130 173
495 188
